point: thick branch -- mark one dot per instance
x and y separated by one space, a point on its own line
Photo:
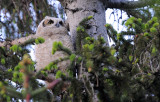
123 4
22 41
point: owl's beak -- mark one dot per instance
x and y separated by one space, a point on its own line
57 25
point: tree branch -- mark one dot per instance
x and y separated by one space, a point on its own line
22 41
123 4
12 92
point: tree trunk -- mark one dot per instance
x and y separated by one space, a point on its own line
76 10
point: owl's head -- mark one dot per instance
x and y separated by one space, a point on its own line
50 23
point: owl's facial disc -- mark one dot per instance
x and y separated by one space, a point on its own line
52 23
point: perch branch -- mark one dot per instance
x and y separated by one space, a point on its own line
125 4
22 41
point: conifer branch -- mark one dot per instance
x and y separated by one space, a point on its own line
65 49
40 90
40 76
12 92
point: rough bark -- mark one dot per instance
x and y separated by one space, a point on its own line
76 10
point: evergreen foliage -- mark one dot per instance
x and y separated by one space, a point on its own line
127 71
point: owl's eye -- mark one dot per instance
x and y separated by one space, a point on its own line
50 22
61 23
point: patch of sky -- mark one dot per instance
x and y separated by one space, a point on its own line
33 14
115 18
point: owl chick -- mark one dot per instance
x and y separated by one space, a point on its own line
51 29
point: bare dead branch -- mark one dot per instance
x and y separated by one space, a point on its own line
125 4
